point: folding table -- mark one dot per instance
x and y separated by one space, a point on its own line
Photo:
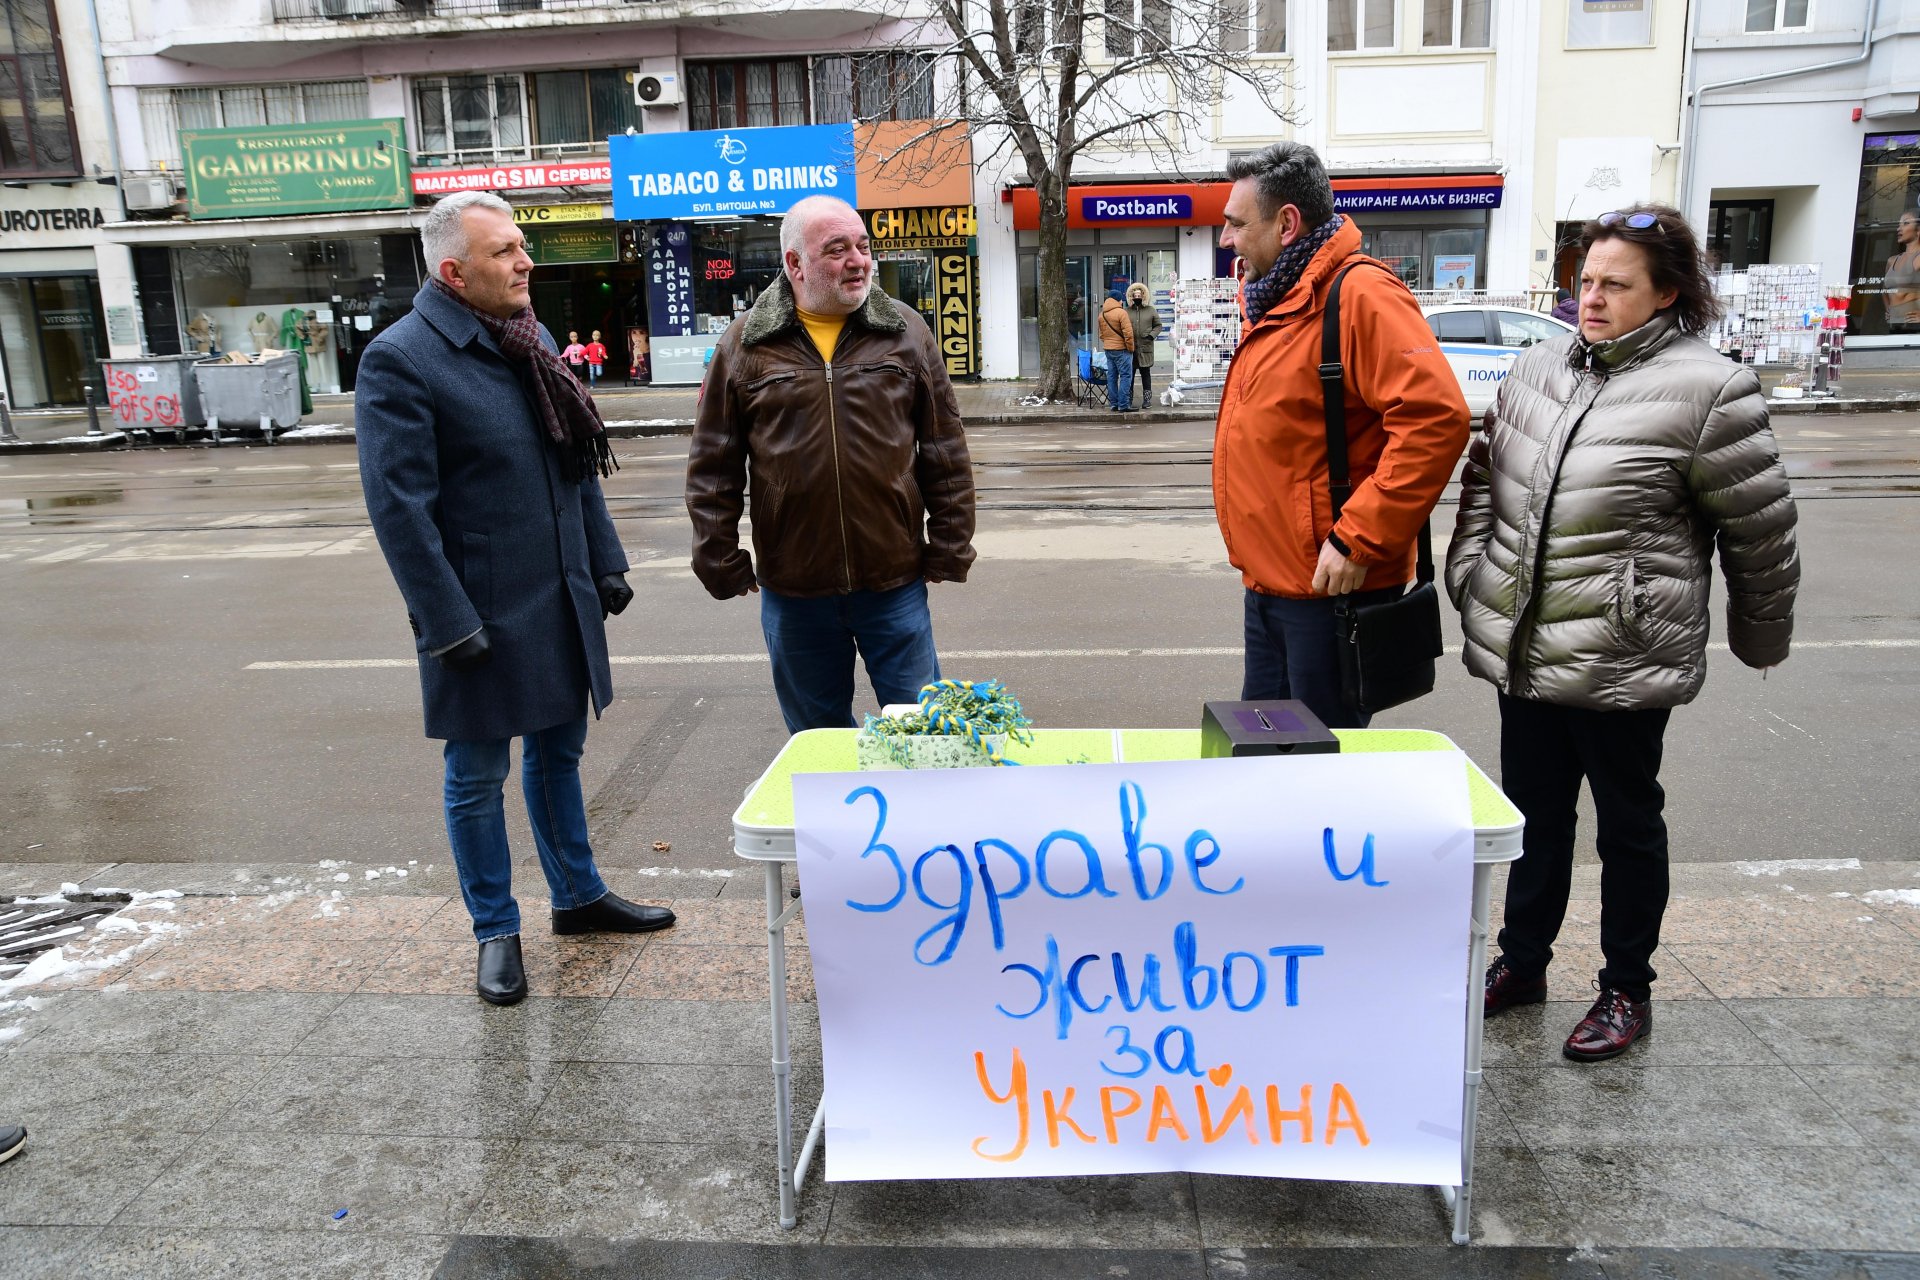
763 833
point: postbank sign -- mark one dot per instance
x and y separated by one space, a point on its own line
340 166
716 173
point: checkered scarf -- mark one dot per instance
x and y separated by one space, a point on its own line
566 410
1264 294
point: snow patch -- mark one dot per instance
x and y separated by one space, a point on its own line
1905 897
1777 866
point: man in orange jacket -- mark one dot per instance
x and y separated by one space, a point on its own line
1406 426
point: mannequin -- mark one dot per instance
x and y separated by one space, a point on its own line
262 329
204 333
596 359
312 333
290 321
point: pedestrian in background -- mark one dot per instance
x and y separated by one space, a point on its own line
1565 307
1116 339
1612 464
481 460
837 399
1145 322
1406 423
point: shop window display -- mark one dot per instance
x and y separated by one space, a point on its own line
731 265
324 299
1886 239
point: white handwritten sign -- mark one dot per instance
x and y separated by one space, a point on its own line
1252 966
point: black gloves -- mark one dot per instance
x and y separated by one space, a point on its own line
470 654
615 594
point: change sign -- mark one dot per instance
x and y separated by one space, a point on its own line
718 172
1251 966
341 166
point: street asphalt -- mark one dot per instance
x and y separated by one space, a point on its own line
210 694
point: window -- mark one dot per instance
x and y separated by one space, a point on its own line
1459 326
573 107
1360 24
1030 26
164 112
746 95
482 117
872 86
1739 232
36 126
1779 15
1523 328
1457 24
1135 27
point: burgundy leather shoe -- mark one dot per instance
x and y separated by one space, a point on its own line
1506 988
1610 1027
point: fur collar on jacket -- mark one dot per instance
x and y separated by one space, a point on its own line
774 313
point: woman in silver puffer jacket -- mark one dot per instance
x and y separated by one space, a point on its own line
1612 464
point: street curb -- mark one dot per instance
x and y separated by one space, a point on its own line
198 438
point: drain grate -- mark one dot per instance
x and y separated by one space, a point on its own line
29 928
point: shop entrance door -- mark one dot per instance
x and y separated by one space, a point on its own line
1088 279
67 309
908 278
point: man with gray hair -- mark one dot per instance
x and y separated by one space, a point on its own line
1299 544
481 459
835 398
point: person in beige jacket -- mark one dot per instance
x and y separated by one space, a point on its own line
1612 465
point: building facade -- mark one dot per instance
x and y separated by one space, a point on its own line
282 153
1803 146
58 193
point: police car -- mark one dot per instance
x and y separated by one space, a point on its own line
1482 342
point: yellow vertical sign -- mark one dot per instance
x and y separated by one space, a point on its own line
953 292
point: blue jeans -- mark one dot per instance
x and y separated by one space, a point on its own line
812 642
477 823
1119 379
1290 654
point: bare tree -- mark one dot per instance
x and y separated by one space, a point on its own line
1051 80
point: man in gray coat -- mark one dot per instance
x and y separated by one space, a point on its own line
481 458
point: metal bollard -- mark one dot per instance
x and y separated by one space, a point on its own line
93 415
6 422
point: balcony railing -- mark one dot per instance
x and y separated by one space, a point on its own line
405 10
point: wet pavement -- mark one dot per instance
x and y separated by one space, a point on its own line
210 720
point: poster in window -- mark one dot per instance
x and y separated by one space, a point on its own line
1605 24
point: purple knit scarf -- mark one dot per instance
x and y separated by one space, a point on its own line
566 410
1264 294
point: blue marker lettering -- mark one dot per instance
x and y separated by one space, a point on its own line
1196 863
1133 816
1364 870
1293 955
955 923
1096 882
874 846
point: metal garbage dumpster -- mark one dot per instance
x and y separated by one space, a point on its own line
266 392
154 393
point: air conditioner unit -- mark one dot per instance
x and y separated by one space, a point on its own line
656 91
350 8
147 193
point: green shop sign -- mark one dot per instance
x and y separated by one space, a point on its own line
338 167
557 246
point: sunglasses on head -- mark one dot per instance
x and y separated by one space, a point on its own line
1637 221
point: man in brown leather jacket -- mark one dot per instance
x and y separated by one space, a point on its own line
834 398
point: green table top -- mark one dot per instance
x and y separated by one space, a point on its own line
769 804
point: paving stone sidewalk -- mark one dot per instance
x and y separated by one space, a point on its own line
282 1042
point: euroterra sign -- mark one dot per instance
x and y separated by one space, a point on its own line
340 167
717 173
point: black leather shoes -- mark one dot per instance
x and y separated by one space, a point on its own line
1610 1027
502 978
611 914
1506 988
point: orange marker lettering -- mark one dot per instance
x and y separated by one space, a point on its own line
1164 1116
1343 1101
1016 1094
1109 1114
1241 1108
1277 1119
1057 1116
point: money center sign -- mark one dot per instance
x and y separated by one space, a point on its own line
342 166
1252 966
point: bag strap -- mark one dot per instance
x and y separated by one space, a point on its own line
1333 397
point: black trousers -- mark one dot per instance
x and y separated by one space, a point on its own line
1545 752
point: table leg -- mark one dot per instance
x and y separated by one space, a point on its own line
1476 1021
782 1061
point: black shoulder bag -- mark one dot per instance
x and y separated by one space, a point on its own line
1387 650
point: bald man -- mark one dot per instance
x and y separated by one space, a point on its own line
834 397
